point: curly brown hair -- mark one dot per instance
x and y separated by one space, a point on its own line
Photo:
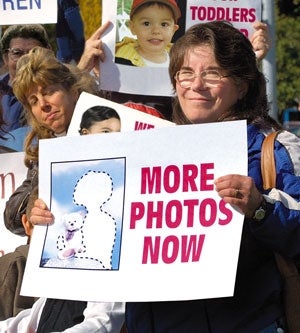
234 53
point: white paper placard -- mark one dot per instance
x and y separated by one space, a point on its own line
241 13
153 227
131 119
28 12
12 173
155 81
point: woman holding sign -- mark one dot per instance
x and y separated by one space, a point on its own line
49 91
215 76
214 72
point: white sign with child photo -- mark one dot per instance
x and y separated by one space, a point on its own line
134 117
137 55
136 209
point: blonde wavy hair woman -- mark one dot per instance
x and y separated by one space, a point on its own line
48 90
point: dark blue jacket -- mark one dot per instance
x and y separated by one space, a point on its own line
256 302
13 114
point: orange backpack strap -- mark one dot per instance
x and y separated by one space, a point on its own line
268 169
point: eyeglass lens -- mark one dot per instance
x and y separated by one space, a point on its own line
16 53
186 78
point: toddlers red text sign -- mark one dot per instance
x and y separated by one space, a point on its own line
241 13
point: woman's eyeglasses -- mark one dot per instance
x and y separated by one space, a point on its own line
211 78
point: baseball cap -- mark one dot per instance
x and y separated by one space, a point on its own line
170 3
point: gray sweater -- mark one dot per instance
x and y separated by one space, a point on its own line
12 266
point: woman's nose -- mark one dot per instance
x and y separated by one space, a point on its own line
198 83
45 106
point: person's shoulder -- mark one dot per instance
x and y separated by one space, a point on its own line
168 47
4 150
287 147
123 61
126 41
289 110
129 52
125 46
22 250
14 140
288 138
20 253
4 77
4 86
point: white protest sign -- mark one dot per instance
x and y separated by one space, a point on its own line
28 12
123 78
131 119
241 13
12 173
138 209
155 80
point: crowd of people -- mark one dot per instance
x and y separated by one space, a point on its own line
215 73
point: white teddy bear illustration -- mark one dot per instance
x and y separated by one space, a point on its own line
71 241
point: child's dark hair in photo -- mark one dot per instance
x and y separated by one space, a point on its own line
100 119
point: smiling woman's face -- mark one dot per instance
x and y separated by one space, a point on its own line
202 103
52 106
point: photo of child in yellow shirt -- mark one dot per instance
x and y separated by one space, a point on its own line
154 24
